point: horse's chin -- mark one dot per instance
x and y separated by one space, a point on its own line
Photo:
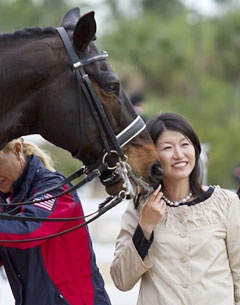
139 191
117 190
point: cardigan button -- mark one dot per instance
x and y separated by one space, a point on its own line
185 285
183 259
183 234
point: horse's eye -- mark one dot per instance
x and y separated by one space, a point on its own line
112 88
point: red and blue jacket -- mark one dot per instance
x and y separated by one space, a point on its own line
54 271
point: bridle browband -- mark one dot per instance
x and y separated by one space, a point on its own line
112 145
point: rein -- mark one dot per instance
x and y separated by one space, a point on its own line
103 208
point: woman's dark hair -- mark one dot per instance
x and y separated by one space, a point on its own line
173 121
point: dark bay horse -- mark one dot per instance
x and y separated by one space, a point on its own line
40 94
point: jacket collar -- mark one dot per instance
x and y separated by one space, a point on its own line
22 185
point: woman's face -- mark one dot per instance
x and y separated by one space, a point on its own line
176 153
11 167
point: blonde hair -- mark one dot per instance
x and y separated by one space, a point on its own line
29 149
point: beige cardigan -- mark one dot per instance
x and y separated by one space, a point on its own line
194 258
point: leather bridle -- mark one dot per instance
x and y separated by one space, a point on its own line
112 143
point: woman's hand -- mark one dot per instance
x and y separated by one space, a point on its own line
152 212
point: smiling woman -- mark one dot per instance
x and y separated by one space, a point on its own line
183 241
177 155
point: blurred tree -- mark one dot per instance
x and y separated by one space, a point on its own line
155 47
165 9
229 3
28 13
226 45
63 161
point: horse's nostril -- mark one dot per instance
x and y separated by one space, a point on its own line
156 174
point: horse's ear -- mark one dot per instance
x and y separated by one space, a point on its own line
85 31
71 18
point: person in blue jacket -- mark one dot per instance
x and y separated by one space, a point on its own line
60 270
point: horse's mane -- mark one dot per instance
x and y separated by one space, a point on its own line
27 33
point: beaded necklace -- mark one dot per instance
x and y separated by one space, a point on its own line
178 202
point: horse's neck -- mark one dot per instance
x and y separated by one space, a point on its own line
20 76
22 65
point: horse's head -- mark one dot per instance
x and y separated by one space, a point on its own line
136 159
67 92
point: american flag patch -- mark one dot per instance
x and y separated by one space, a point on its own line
47 204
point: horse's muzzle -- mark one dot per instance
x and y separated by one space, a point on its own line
129 183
